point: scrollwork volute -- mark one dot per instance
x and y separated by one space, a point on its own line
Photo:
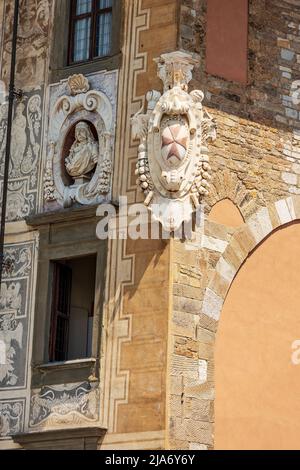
173 166
79 156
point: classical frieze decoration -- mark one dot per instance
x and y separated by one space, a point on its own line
11 334
25 154
33 40
15 302
64 404
11 417
80 145
173 165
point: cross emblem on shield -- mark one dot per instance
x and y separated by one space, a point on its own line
174 143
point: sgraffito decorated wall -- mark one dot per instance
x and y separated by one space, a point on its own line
151 385
20 254
17 304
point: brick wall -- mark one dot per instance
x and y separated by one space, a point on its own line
258 122
255 162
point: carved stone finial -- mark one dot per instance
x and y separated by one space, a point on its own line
78 84
175 69
173 166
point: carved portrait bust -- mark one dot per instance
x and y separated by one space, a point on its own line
80 143
84 152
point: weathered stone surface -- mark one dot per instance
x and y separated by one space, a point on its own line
198 410
212 304
183 304
185 324
196 446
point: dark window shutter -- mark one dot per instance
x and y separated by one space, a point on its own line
60 312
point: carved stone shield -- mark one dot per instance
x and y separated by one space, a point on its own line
173 169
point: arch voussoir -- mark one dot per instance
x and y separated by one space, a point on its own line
257 228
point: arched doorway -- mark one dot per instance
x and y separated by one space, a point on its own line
257 402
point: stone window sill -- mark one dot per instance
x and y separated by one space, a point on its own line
80 438
74 364
109 63
56 373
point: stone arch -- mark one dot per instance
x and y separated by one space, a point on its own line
257 228
226 213
242 243
226 185
256 376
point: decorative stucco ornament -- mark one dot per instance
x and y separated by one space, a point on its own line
78 84
79 155
173 166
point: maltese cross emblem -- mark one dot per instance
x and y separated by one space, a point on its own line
174 143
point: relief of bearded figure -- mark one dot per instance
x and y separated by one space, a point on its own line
84 152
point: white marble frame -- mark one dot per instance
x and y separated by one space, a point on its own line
95 108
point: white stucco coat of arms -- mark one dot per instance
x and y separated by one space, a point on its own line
80 145
173 165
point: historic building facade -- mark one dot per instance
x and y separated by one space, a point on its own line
189 105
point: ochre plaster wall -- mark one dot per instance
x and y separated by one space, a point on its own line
146 302
135 335
257 385
145 356
161 37
226 213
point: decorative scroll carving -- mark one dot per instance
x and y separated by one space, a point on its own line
173 166
82 173
49 187
62 404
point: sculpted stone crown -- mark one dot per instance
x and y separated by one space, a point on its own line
173 166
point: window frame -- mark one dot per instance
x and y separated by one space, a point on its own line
57 243
60 68
95 12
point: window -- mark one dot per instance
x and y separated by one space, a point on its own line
69 249
90 30
72 309
91 42
227 39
